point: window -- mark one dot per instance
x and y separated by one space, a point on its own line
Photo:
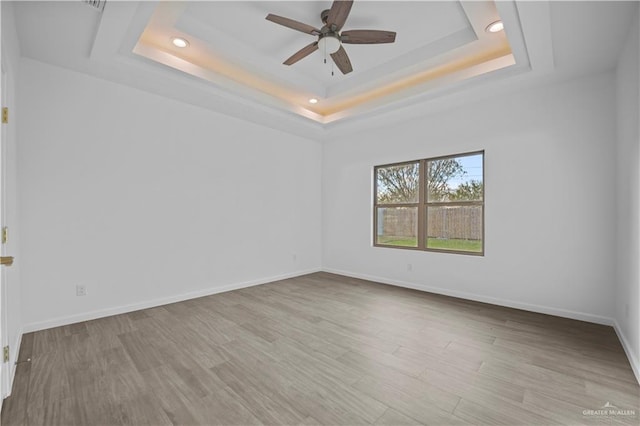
435 204
397 204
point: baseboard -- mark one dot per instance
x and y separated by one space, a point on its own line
633 357
86 316
581 316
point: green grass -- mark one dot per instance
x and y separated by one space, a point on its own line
433 243
398 241
454 244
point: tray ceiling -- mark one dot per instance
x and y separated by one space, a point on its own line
232 46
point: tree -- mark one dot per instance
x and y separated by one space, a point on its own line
440 172
468 191
399 184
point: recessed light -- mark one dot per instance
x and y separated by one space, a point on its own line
179 42
495 27
313 101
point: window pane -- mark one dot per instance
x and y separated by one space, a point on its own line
455 228
397 184
397 226
455 179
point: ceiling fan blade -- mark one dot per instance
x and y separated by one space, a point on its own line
342 60
339 12
368 37
295 25
305 51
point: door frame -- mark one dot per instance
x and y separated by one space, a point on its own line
5 379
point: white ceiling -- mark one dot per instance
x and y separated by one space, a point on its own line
547 38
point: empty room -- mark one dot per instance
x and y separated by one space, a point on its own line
320 212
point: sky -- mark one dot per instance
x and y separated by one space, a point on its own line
473 166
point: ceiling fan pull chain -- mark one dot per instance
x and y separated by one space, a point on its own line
325 53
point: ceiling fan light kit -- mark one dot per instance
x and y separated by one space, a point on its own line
330 40
329 43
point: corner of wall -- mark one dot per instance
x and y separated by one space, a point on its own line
627 244
634 361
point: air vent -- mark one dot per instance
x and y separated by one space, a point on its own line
97 4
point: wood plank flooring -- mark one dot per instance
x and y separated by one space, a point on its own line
323 349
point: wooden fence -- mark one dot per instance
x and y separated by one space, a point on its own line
456 222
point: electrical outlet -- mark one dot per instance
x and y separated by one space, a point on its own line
409 267
81 290
294 257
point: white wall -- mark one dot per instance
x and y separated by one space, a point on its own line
10 60
145 199
137 197
550 207
628 194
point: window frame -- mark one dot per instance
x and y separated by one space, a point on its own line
377 206
423 204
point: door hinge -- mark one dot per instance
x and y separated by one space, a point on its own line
5 232
5 354
5 115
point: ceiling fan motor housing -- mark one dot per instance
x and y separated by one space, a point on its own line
324 15
329 38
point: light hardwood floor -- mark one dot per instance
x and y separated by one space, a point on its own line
323 349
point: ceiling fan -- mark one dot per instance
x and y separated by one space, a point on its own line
330 39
